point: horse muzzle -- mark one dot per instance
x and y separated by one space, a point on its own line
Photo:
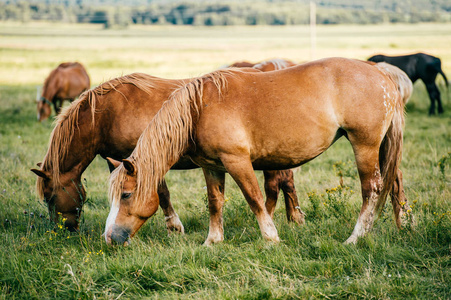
119 235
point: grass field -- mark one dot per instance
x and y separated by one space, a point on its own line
311 262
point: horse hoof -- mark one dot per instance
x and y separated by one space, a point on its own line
173 224
210 241
298 217
352 240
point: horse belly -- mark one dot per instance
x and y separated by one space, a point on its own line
284 152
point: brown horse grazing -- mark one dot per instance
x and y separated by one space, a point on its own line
265 66
66 82
108 121
235 122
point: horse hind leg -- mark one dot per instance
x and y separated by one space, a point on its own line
434 95
294 212
282 180
240 168
173 223
215 188
272 189
439 99
371 184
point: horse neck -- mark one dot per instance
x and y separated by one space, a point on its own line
72 145
50 87
167 137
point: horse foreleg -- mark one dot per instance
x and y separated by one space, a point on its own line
240 168
371 184
57 103
215 188
399 202
173 222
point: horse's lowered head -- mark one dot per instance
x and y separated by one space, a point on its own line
127 213
44 109
64 197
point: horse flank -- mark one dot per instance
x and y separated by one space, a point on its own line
68 121
167 136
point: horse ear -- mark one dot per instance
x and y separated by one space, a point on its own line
39 164
129 166
41 173
113 162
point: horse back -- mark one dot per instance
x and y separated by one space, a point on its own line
297 110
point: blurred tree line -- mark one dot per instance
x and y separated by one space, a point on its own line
227 12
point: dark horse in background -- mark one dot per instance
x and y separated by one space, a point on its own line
419 66
66 82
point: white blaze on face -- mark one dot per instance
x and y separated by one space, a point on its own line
111 219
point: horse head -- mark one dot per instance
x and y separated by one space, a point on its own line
44 108
64 199
128 211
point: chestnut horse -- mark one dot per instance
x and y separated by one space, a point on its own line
66 82
108 121
265 66
235 122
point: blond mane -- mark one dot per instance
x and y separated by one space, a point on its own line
278 63
67 121
167 136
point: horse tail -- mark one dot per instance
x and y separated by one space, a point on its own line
399 78
444 77
437 65
390 152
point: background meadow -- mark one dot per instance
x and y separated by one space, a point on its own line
38 260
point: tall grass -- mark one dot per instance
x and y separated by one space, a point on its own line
41 260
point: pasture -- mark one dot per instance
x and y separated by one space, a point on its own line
40 260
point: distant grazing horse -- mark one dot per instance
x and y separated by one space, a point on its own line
419 66
265 66
65 82
108 121
233 121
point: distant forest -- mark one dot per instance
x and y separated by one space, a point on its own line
116 13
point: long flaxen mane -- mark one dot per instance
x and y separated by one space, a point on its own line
167 136
67 122
278 64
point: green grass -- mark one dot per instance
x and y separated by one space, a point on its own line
37 261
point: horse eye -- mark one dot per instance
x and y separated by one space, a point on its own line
126 195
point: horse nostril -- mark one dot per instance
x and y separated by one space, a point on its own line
120 234
71 225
